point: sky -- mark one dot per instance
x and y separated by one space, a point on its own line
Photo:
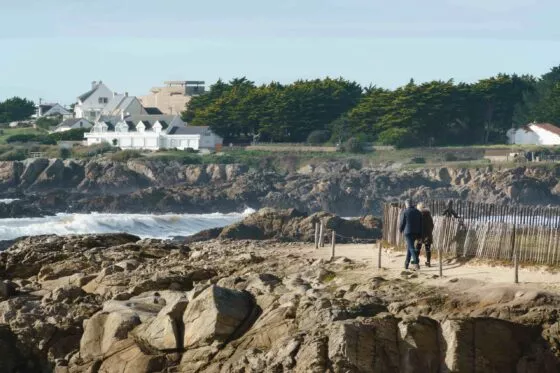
54 49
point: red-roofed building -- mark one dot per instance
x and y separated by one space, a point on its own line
535 134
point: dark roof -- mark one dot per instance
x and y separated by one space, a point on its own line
548 127
187 130
147 124
85 96
68 122
153 110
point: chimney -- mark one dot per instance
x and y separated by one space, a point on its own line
93 84
126 94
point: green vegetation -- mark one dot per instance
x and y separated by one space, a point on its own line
15 108
437 113
8 132
48 122
31 137
353 145
125 155
318 137
76 134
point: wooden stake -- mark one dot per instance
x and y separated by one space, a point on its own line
440 254
333 244
380 244
321 236
515 258
316 235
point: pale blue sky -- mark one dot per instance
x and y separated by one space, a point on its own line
53 49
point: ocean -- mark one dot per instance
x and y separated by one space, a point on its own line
142 225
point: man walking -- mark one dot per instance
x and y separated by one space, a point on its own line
427 233
411 227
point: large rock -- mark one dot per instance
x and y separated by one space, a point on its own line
419 345
33 168
103 330
10 173
214 316
165 331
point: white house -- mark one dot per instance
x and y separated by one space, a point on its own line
52 109
535 134
91 104
123 104
73 123
152 132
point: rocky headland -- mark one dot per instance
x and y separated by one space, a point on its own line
46 187
116 303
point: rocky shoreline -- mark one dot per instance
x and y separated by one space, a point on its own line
46 187
116 303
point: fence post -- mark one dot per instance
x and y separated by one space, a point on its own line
515 257
321 236
440 259
333 244
380 245
316 235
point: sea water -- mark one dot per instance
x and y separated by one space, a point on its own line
142 225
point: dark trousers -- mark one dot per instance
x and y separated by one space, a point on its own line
410 249
428 246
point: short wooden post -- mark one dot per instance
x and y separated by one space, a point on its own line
516 264
333 244
380 246
515 256
321 236
440 255
316 235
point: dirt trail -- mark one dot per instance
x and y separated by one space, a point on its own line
472 276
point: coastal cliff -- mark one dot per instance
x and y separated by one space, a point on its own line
345 188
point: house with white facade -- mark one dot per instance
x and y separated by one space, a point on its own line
124 103
91 104
152 132
52 109
535 134
73 123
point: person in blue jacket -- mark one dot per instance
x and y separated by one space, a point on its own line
411 227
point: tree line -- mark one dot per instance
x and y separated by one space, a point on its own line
16 108
432 113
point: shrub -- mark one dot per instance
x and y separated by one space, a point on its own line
353 145
75 134
450 157
48 122
318 137
13 155
30 137
191 150
418 160
64 153
126 155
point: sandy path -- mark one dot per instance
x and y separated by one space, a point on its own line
472 272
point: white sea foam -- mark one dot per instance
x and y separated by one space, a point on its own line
143 225
8 200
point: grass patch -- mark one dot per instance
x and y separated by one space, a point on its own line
7 132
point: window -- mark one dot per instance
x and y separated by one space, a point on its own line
103 100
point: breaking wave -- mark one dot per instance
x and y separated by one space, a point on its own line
8 200
143 225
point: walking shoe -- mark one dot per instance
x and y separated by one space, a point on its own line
428 264
416 267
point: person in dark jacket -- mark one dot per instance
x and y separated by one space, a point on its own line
411 227
427 234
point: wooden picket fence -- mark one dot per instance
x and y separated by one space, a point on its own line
487 231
